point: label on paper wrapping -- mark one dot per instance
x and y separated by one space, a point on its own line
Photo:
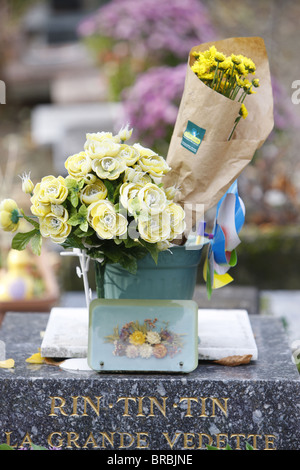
192 137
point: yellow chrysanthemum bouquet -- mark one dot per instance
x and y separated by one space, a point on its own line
112 204
215 136
227 75
208 150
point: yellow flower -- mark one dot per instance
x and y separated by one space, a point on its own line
243 111
39 209
236 59
177 223
59 211
108 167
128 192
137 338
50 190
78 165
225 65
102 144
219 57
156 228
152 199
55 227
129 154
201 67
27 184
250 65
151 162
93 192
90 178
104 219
136 175
241 69
9 215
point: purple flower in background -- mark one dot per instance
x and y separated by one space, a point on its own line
152 26
151 104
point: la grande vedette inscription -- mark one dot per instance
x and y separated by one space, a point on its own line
136 407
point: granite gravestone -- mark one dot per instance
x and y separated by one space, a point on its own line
256 403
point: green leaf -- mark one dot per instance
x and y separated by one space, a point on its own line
80 233
129 263
74 187
110 189
74 199
84 226
79 218
117 193
21 240
35 447
248 446
32 222
73 242
6 447
36 244
152 249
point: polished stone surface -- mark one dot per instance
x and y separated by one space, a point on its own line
257 402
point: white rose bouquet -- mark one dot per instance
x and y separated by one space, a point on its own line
112 204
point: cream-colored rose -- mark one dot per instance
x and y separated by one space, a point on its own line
60 211
152 199
136 175
51 190
156 228
39 209
54 227
93 192
151 162
144 151
128 192
90 178
177 223
104 219
9 215
108 167
102 144
129 154
78 165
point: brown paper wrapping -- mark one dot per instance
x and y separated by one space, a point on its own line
204 177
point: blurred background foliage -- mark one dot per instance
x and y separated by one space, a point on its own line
109 62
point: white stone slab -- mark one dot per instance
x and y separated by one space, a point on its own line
225 333
222 333
66 334
2 351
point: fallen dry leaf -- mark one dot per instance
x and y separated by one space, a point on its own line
8 364
52 362
35 359
232 361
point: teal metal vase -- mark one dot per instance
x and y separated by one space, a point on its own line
173 277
